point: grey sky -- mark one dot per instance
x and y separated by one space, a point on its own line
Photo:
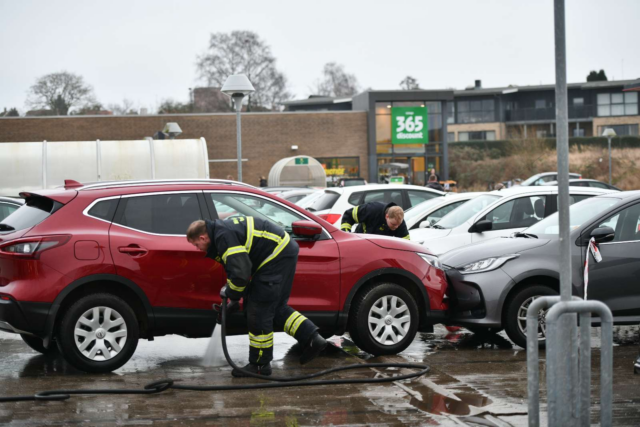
146 50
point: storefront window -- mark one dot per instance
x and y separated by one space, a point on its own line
340 167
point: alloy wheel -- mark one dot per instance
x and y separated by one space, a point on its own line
389 320
542 318
100 333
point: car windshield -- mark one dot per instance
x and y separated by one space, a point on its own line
467 210
325 201
420 209
579 213
309 198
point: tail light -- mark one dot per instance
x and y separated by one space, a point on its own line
32 247
330 218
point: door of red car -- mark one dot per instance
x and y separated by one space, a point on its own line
149 247
317 281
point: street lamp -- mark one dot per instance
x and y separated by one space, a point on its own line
609 133
237 87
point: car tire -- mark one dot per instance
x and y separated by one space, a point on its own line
99 333
36 344
396 327
516 309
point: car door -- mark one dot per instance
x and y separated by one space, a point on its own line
512 215
316 286
149 247
615 280
385 196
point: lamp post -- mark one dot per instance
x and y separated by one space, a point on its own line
238 86
609 133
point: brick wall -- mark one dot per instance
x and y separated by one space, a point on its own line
266 137
616 120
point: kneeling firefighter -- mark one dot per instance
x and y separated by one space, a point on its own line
376 218
260 260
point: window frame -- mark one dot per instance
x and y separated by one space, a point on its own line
584 237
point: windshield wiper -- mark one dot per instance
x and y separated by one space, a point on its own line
439 227
6 227
526 235
311 209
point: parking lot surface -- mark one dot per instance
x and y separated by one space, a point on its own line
473 381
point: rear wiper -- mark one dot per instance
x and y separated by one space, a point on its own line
526 235
311 209
6 227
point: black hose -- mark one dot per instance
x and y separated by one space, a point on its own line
277 382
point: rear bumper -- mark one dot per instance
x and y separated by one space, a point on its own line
23 317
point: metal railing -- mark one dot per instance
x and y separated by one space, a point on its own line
549 113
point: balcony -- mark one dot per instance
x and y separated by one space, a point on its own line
548 114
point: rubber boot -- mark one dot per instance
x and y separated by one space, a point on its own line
314 347
253 368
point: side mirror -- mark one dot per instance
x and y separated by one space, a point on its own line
481 226
424 224
603 234
307 229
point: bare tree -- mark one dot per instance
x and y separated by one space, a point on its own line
336 82
409 83
243 52
123 109
169 106
60 92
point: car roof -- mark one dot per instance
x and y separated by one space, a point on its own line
11 200
372 187
545 189
624 195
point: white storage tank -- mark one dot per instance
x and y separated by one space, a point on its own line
30 166
298 171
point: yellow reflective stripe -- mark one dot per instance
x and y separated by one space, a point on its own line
267 235
232 251
261 345
260 337
295 326
345 226
277 250
234 287
355 214
407 237
249 241
290 321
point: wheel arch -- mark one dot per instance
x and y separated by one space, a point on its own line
109 283
403 278
548 279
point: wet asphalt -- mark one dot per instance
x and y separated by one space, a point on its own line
474 380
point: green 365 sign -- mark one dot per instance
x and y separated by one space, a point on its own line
409 125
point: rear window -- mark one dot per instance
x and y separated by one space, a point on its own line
33 212
326 201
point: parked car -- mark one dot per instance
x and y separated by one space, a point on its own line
91 269
294 195
494 282
586 183
278 190
8 205
541 178
431 211
496 214
332 204
350 182
308 200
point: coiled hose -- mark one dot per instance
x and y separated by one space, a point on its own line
276 382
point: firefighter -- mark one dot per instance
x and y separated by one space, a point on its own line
260 261
376 218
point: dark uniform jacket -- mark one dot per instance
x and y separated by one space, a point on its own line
370 218
244 245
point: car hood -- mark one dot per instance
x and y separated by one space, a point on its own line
396 243
490 248
423 234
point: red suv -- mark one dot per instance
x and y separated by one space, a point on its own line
89 270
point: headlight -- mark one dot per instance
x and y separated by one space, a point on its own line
432 260
486 264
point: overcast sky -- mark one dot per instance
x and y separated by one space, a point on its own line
146 50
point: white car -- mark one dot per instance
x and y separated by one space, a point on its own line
8 205
496 214
431 211
308 200
332 204
294 196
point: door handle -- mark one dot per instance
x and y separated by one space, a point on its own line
132 250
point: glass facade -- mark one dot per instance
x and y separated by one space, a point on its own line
340 167
476 111
618 104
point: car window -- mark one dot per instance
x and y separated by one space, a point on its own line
160 214
579 214
437 215
233 205
467 210
579 184
626 224
354 199
575 198
385 196
7 209
294 199
598 185
517 213
326 201
417 197
104 209
35 210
